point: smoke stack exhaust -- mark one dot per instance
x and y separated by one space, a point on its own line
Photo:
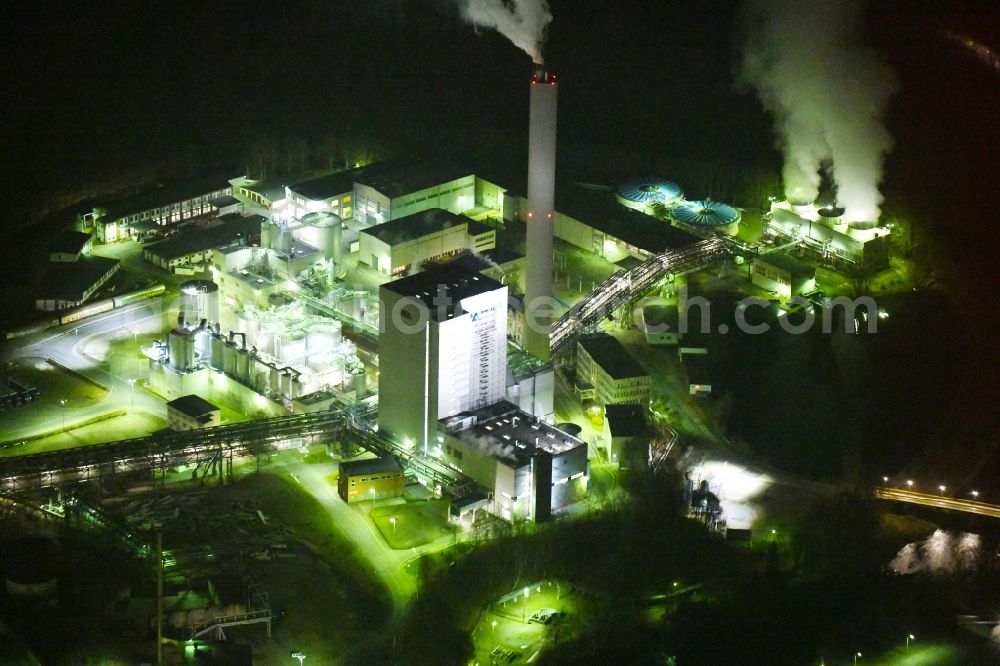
541 209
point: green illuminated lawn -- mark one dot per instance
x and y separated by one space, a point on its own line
55 384
411 525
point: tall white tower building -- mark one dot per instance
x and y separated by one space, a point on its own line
442 349
541 207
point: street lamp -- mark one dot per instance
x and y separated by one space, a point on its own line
975 493
942 488
300 656
494 625
856 655
909 637
909 482
885 479
393 521
131 393
63 404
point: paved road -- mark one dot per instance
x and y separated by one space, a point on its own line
389 565
938 502
65 345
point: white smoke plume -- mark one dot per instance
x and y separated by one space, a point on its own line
523 22
827 94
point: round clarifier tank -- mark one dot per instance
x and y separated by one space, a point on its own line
708 215
199 300
647 194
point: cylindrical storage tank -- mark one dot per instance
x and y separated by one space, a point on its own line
293 347
295 389
180 350
274 379
709 216
337 240
266 230
281 239
243 366
199 300
229 358
286 383
322 337
647 194
217 359
250 326
203 345
359 381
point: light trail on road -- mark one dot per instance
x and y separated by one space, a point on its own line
938 502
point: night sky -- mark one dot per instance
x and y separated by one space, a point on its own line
105 96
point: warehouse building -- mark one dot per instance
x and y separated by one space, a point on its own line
593 220
607 373
404 244
194 245
395 189
783 274
70 246
371 479
442 349
626 436
163 205
332 193
192 412
530 468
71 283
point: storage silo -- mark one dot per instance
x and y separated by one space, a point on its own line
281 239
266 230
229 358
180 349
359 381
217 359
199 300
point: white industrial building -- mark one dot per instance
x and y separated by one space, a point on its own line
404 244
442 349
530 468
607 373
163 205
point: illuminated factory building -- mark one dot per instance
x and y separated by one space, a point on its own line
404 244
531 468
442 350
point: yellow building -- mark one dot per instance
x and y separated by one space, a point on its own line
371 479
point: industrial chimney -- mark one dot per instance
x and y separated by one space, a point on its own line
541 206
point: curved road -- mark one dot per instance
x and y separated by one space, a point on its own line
64 345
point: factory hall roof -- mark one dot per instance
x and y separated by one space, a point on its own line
386 465
626 420
599 209
196 239
480 261
69 242
441 287
611 355
68 281
330 185
417 226
192 405
786 262
508 434
165 194
399 178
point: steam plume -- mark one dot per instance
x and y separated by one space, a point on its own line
827 95
523 22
